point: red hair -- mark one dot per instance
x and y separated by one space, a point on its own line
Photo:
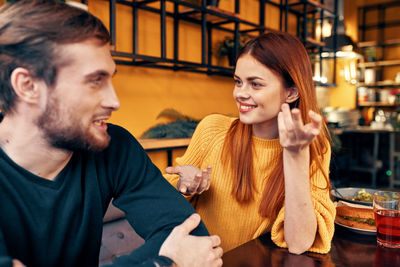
286 56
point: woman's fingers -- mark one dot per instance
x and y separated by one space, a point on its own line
191 179
292 131
289 123
287 118
316 122
296 117
182 188
292 122
194 184
172 170
209 177
205 182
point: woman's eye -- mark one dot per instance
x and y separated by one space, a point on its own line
238 82
254 84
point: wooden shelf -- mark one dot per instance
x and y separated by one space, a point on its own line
219 16
383 63
395 23
380 84
392 42
312 6
164 144
376 104
315 42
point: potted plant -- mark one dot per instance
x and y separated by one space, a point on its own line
227 48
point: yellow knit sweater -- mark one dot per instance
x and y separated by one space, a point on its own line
238 223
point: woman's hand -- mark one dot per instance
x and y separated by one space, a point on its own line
192 180
293 134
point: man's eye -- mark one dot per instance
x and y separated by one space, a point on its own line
96 81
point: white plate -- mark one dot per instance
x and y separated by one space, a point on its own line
357 230
350 192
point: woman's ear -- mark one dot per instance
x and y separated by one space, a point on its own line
24 85
292 94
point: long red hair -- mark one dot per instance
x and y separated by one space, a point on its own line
286 56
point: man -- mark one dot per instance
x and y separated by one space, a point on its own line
61 164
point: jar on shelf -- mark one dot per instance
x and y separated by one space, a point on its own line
362 95
397 79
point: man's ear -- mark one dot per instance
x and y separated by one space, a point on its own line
24 85
292 94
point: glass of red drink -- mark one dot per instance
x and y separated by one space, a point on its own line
387 218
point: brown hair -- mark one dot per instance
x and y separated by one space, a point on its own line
286 56
30 31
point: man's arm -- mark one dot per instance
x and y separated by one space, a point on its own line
152 206
5 260
154 209
182 249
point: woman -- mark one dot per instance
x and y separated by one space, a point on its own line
269 169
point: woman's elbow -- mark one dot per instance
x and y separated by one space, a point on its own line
299 248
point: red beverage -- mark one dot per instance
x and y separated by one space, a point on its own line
388 228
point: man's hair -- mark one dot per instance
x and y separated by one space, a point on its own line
30 33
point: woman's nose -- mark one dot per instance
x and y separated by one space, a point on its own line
242 92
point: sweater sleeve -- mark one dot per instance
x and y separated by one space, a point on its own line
324 210
152 206
201 139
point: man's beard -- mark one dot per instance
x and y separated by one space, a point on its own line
68 135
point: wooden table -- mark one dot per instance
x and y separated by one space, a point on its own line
168 145
348 249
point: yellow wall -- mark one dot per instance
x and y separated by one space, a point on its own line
344 94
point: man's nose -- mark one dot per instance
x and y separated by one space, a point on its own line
111 100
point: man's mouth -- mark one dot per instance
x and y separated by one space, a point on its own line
99 122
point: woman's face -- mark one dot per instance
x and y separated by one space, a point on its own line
259 94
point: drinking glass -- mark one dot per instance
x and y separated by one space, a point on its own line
387 218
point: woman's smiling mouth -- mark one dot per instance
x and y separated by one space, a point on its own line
243 108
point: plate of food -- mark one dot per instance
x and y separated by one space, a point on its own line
356 218
362 196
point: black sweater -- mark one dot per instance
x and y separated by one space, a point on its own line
59 223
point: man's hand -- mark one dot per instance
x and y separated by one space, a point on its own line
17 263
192 180
192 251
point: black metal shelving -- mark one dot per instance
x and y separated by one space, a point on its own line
210 19
207 18
377 29
309 14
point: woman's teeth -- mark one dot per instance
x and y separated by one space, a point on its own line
246 107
